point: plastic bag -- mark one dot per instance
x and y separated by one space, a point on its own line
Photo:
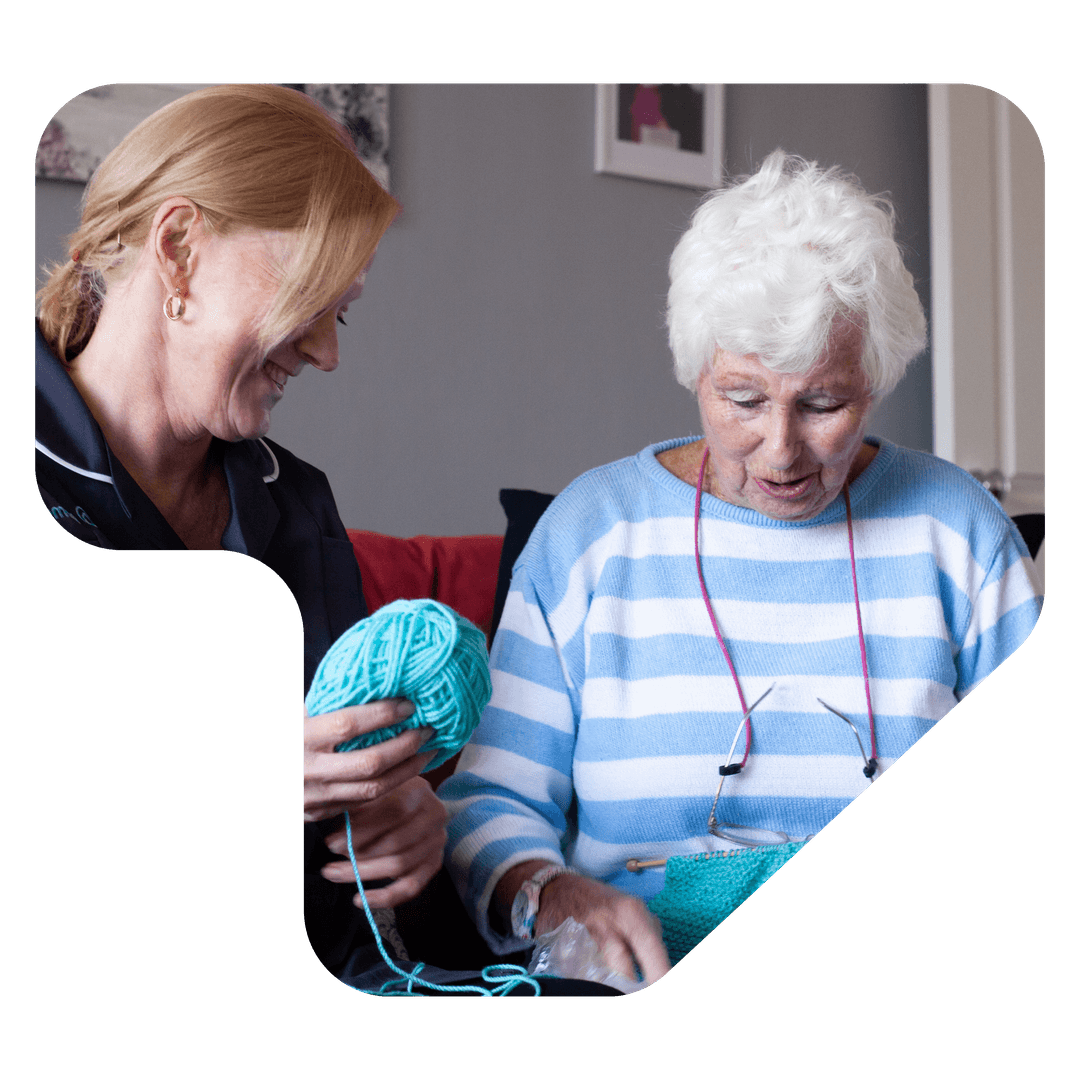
569 952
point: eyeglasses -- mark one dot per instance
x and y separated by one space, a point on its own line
870 765
749 836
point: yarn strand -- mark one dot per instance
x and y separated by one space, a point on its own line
513 976
425 652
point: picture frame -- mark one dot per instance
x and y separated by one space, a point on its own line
92 124
670 133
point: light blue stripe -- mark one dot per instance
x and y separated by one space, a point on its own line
539 742
1001 640
673 577
464 784
517 654
647 658
657 821
709 735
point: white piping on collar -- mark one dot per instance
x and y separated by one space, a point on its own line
74 468
270 478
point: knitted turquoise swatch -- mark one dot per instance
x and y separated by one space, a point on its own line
416 649
701 891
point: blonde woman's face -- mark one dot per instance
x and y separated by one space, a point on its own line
231 383
784 445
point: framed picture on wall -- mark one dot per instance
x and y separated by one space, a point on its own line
91 125
668 132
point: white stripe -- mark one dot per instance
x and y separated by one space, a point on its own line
1011 590
769 623
521 825
662 696
74 468
524 619
534 702
884 537
455 806
530 780
273 475
633 540
811 776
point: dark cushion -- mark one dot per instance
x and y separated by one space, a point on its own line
1032 527
523 510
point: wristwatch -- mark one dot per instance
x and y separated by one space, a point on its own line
527 902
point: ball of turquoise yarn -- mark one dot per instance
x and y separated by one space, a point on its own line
416 649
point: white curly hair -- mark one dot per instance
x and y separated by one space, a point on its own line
772 261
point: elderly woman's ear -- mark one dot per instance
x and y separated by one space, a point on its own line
178 230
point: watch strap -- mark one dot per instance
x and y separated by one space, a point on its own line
527 902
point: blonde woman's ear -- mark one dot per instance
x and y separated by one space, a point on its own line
177 231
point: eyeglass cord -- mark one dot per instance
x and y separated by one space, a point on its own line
729 770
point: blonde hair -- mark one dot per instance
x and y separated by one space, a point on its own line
255 157
772 261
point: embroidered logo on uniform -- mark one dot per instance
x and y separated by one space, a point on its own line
59 512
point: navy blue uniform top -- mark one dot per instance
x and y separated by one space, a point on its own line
282 513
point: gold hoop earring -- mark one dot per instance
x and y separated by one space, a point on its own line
179 309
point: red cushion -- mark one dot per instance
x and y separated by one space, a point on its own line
461 571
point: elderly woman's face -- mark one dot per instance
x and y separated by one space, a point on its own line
783 445
229 385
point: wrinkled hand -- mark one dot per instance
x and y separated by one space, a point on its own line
624 929
400 835
334 783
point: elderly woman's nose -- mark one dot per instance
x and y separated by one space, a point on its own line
781 439
319 343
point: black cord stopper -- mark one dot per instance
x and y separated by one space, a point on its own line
871 768
730 770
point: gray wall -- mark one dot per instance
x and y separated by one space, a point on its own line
511 332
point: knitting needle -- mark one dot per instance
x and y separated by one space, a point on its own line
636 865
731 753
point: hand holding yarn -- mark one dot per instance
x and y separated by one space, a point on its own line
416 649
400 836
362 735
424 652
334 783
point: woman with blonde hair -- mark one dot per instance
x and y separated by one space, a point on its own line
221 242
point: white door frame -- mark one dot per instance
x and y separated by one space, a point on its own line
987 290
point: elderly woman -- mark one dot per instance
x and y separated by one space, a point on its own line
221 243
785 566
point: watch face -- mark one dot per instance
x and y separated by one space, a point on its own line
517 913
523 912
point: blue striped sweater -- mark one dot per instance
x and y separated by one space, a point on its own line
613 705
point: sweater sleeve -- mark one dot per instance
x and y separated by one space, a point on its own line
511 797
1003 612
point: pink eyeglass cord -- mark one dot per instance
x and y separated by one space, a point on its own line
720 637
